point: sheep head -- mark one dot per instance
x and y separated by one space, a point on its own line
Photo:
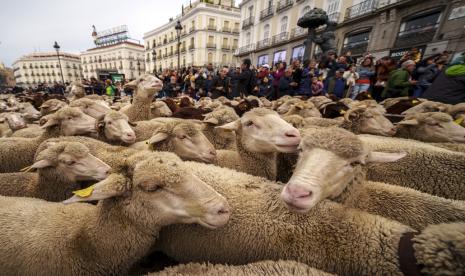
77 89
51 106
433 127
160 190
95 109
263 130
115 127
458 113
29 111
428 106
72 160
71 121
160 109
15 120
286 105
304 109
369 118
330 160
145 86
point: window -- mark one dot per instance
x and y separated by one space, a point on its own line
225 41
250 11
284 24
357 43
332 6
421 23
266 31
226 24
247 38
223 59
210 57
211 22
210 39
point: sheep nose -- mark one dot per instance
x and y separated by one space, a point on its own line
293 133
223 210
298 192
213 152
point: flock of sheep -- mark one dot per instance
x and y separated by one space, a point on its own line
91 186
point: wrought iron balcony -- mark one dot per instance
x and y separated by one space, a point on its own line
183 49
263 43
211 27
279 38
226 29
191 47
267 12
284 5
235 31
191 29
247 23
357 48
416 36
298 32
211 45
225 47
334 17
246 49
361 9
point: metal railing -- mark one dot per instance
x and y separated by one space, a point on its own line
191 29
282 37
225 47
263 43
191 47
211 27
334 17
226 29
246 49
211 45
284 4
267 12
361 9
298 32
247 22
235 31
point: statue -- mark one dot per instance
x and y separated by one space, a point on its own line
327 40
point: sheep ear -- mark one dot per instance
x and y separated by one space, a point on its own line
213 121
112 186
158 137
411 122
101 125
132 124
133 84
48 122
232 126
385 157
41 164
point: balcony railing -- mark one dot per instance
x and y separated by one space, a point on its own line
298 32
415 36
263 43
183 49
235 31
211 45
267 12
279 38
361 9
226 29
225 47
211 27
357 48
191 47
246 49
283 5
247 22
191 29
334 17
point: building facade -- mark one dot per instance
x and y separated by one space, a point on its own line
380 27
120 58
210 34
30 70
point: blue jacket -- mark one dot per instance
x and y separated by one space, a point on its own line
335 86
365 72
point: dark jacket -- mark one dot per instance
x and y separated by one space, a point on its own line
218 82
449 90
284 87
426 74
336 86
244 79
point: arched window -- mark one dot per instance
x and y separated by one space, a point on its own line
266 31
284 24
210 57
305 10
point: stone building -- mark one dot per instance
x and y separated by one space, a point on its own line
32 69
210 34
381 27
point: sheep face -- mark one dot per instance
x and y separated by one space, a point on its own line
71 120
51 106
160 109
163 192
77 89
331 159
116 127
95 109
262 130
15 121
371 121
73 160
434 127
146 86
304 109
428 106
29 111
285 106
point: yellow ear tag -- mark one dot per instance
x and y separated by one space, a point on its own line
84 192
27 169
459 121
342 112
415 101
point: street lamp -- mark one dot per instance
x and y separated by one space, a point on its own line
154 58
178 28
138 67
57 48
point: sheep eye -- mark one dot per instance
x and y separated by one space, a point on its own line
182 136
355 163
70 163
109 123
69 118
249 123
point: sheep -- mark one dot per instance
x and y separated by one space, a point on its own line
399 105
286 105
431 127
296 121
95 109
51 106
185 138
60 167
276 268
427 106
304 109
114 128
260 135
160 109
29 112
145 88
76 90
458 113
18 153
108 238
347 241
368 117
14 120
426 168
218 117
31 131
331 166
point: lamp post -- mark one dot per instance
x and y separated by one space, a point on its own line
178 28
138 67
57 48
154 58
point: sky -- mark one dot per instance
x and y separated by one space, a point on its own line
34 25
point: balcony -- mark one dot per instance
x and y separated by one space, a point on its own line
417 36
191 47
170 53
298 32
264 43
246 49
280 38
211 27
183 49
284 5
361 9
226 30
211 45
225 47
171 39
191 29
357 48
268 12
165 41
334 17
247 23
235 31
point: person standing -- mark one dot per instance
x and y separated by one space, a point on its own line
277 74
365 71
400 82
336 85
427 72
296 77
245 79
285 84
110 89
220 84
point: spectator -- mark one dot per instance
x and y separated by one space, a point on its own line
110 89
220 85
336 85
400 82
199 81
296 76
349 58
383 67
365 71
317 87
244 79
277 74
234 83
285 87
426 72
264 82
